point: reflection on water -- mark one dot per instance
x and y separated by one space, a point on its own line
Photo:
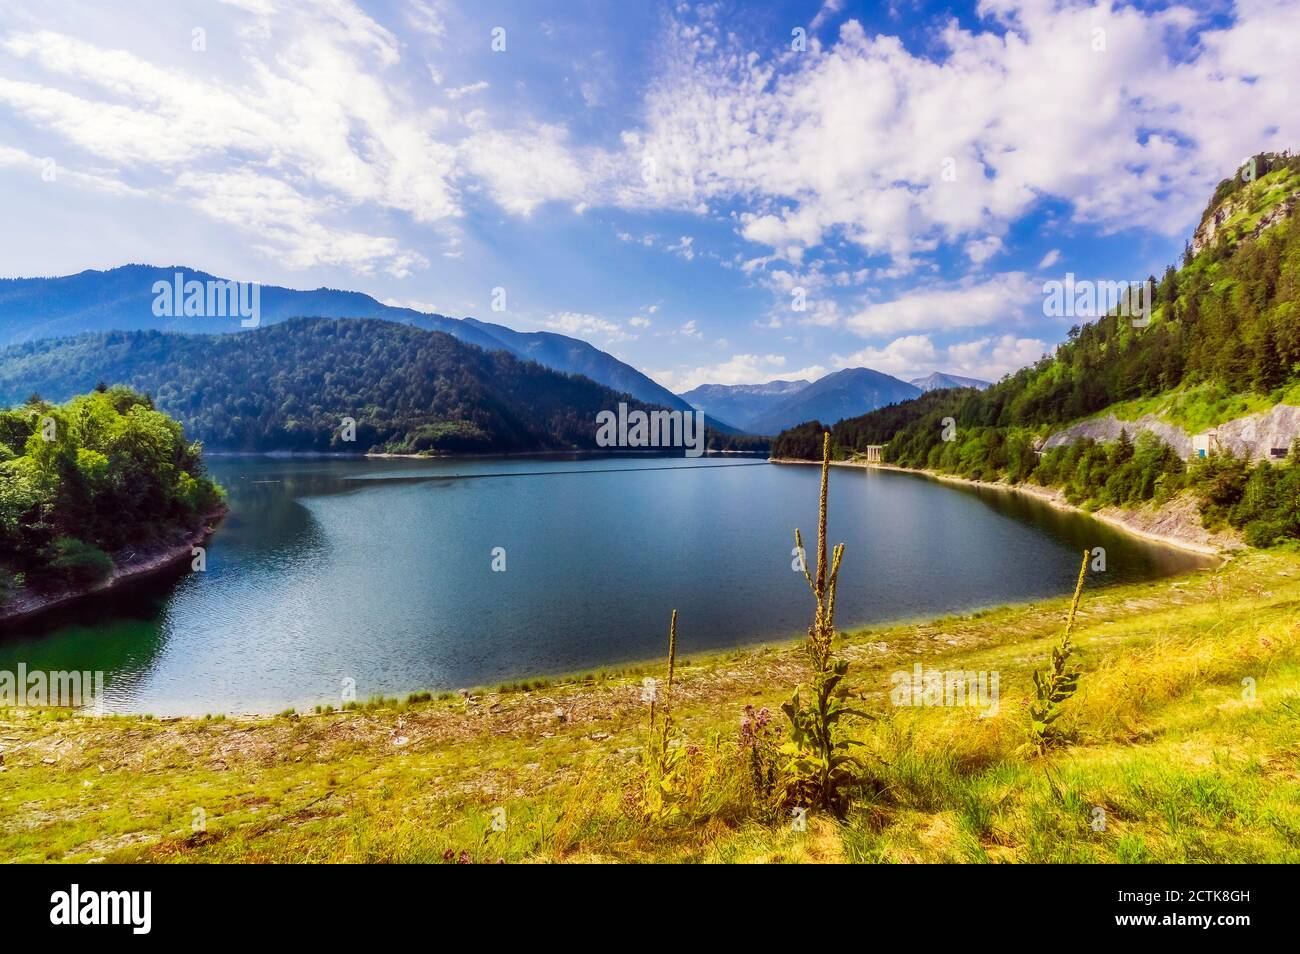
380 571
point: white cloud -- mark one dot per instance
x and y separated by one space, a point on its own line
1050 259
428 17
991 358
315 133
968 304
522 168
42 167
828 9
289 225
260 7
789 230
312 131
980 251
912 356
820 312
582 325
316 116
683 247
456 92
854 137
413 304
905 355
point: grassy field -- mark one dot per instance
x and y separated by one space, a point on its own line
1174 758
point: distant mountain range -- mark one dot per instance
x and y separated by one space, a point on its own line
741 404
846 393
121 299
772 407
291 385
939 380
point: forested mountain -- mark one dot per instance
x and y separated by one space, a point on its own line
846 393
575 356
1223 340
880 426
291 385
121 299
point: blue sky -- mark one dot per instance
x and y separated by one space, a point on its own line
669 181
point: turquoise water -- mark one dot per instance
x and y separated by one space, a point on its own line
381 572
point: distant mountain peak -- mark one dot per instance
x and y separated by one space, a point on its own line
841 394
770 408
741 404
941 379
770 387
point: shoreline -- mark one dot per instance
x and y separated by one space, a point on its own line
566 453
774 642
546 682
371 455
30 605
1205 543
361 783
1055 499
533 682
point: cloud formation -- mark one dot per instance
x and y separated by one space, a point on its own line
912 356
968 304
897 151
887 177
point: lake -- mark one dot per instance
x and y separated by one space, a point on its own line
381 572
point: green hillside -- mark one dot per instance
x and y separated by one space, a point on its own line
1223 342
290 387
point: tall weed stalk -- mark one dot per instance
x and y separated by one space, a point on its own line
662 795
1054 685
819 768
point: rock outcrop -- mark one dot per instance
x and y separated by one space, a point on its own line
1257 435
1108 428
1254 437
1205 236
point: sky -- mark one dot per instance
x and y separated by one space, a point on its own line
715 193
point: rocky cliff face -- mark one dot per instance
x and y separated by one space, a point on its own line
1206 234
1203 238
1253 437
1108 428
